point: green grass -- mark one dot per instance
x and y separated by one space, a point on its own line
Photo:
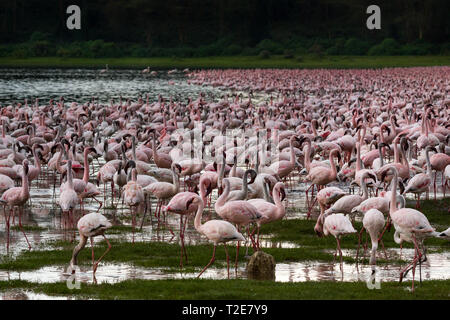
231 62
199 289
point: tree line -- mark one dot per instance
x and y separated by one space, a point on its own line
188 28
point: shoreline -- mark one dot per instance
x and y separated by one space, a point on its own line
235 62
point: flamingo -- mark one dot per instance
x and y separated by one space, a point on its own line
411 225
133 195
421 182
164 190
337 225
321 176
217 231
17 196
184 204
270 212
68 199
239 212
104 70
347 203
438 163
373 222
89 226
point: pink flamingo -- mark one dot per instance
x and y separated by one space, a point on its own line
438 163
89 226
347 203
165 190
218 231
283 167
326 197
411 225
373 222
239 212
133 196
17 196
183 204
269 211
321 176
421 182
337 225
68 198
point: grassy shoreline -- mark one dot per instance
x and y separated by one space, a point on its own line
229 62
201 289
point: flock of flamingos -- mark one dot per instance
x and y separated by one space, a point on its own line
385 133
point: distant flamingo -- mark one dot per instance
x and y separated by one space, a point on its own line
105 70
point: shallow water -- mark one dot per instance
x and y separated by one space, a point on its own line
80 85
435 268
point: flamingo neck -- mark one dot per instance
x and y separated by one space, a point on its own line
291 145
281 211
86 167
364 187
358 156
203 190
77 249
308 155
176 181
198 215
69 175
427 159
393 205
25 188
396 154
37 163
223 197
333 166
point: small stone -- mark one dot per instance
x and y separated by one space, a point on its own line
261 266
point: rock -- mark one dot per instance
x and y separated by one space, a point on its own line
261 266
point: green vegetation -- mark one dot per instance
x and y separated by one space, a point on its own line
199 289
277 61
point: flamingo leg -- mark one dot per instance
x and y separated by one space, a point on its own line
104 254
21 227
210 262
359 243
340 251
182 242
7 217
92 248
228 259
